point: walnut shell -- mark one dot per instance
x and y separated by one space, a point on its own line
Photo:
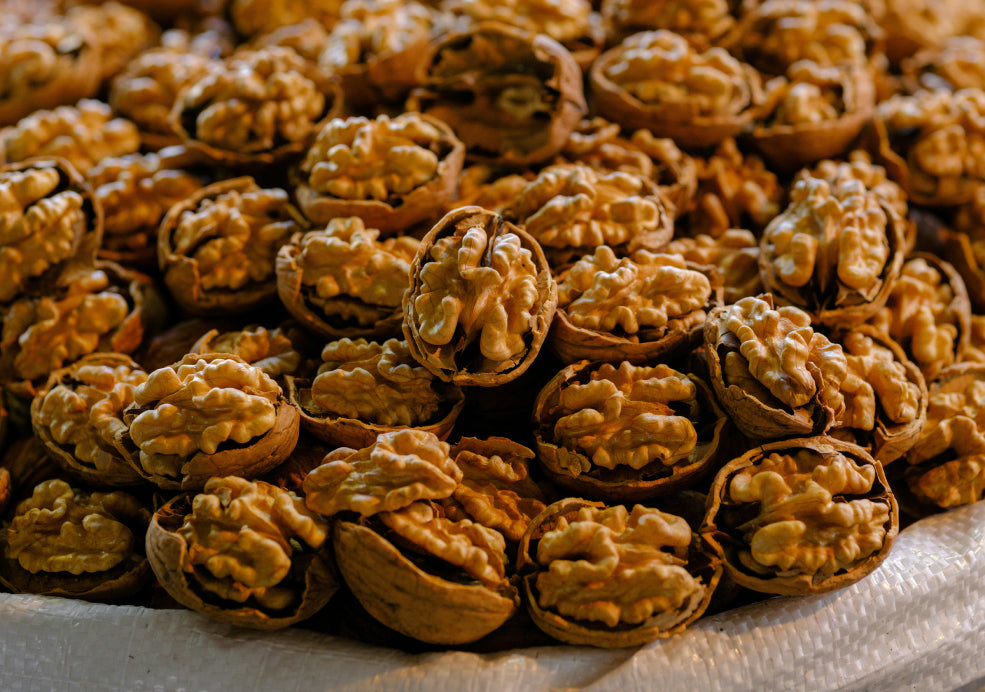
728 520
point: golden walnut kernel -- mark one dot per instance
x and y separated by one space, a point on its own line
735 253
198 405
480 292
956 63
702 22
399 468
623 416
375 382
60 529
876 382
618 567
83 135
573 209
43 224
119 32
240 539
478 550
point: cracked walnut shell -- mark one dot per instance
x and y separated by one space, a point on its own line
801 516
611 576
243 552
480 301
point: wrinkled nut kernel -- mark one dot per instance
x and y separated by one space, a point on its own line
616 566
807 523
60 529
375 382
624 416
641 293
566 21
42 227
876 381
576 208
83 135
252 17
259 101
401 467
735 253
478 550
477 281
197 405
119 32
82 414
956 63
270 350
700 21
240 538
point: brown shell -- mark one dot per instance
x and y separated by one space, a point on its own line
25 463
312 573
959 252
248 461
716 441
385 77
721 514
443 362
412 601
351 432
587 633
572 343
121 474
423 203
483 128
181 273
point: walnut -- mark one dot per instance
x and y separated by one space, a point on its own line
801 516
626 432
610 576
956 63
836 250
64 541
252 17
218 247
912 25
146 90
135 191
79 412
771 371
572 209
964 246
207 415
702 22
512 97
635 308
259 107
271 350
655 80
480 300
391 172
242 552
490 186
735 254
120 32
933 144
82 134
44 65
928 313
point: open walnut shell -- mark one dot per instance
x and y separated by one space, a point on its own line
655 80
511 96
207 415
611 577
956 63
480 301
78 412
944 467
64 541
217 249
275 571
964 247
364 388
771 372
390 172
801 516
627 433
703 24
638 308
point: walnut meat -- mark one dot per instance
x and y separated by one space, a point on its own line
956 63
218 247
611 576
119 30
65 541
801 516
243 552
391 172
510 96
79 412
207 415
344 281
626 432
735 254
480 300
702 22
771 371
